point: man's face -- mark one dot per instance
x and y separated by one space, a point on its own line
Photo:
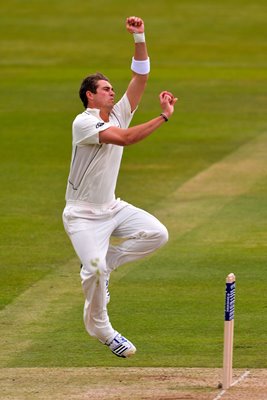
104 96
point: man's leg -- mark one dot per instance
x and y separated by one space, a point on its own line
91 244
92 249
143 232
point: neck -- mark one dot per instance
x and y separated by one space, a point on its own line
104 114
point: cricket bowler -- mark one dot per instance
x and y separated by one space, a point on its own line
93 213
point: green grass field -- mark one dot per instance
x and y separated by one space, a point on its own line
204 174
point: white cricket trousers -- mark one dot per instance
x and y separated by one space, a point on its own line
90 237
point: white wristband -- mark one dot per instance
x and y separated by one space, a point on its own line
141 67
139 37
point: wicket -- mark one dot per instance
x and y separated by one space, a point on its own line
228 331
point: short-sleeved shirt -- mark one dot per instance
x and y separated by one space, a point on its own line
94 165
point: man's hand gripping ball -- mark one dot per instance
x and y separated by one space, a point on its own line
135 25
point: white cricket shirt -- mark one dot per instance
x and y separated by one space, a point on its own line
95 166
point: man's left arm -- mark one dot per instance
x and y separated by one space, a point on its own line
140 62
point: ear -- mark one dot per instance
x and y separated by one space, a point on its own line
89 95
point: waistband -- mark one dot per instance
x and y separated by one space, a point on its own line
94 206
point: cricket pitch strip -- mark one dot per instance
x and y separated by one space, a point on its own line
130 384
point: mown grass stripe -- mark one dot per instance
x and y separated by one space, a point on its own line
20 319
210 190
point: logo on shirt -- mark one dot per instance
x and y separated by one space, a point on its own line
99 124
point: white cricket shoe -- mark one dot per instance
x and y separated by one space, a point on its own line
121 346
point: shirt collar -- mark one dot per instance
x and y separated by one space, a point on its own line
93 111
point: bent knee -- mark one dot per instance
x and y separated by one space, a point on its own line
163 235
159 236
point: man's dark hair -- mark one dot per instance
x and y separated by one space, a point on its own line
90 83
